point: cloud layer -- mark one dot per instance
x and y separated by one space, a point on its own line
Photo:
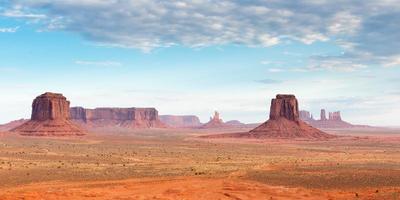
367 31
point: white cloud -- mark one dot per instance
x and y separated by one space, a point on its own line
344 23
18 12
268 40
9 30
312 37
369 28
151 24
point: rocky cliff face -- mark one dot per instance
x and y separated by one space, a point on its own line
285 106
284 122
121 117
50 106
78 113
181 121
50 117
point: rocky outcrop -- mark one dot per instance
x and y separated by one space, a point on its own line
334 121
215 122
181 121
323 115
285 106
50 106
335 116
50 117
305 115
117 117
284 122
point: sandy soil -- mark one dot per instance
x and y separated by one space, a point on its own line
180 188
176 164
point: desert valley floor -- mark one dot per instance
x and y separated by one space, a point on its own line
177 164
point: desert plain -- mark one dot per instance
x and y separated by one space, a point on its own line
180 164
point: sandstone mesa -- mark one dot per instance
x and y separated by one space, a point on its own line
181 121
50 117
117 117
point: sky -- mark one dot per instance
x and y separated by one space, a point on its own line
194 57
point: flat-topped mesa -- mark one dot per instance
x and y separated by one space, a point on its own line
181 121
120 117
286 106
50 106
50 117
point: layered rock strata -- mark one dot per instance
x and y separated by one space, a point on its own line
50 117
117 117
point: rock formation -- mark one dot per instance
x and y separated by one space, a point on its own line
50 117
117 117
335 116
215 122
284 122
334 120
181 121
323 115
305 114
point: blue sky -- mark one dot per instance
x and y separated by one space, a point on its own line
194 57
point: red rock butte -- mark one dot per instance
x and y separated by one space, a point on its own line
284 122
50 117
215 122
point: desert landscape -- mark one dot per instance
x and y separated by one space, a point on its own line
176 164
279 162
199 100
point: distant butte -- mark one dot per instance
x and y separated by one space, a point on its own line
50 117
181 121
130 118
284 122
333 121
215 122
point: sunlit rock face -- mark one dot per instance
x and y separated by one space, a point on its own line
117 117
284 122
50 117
